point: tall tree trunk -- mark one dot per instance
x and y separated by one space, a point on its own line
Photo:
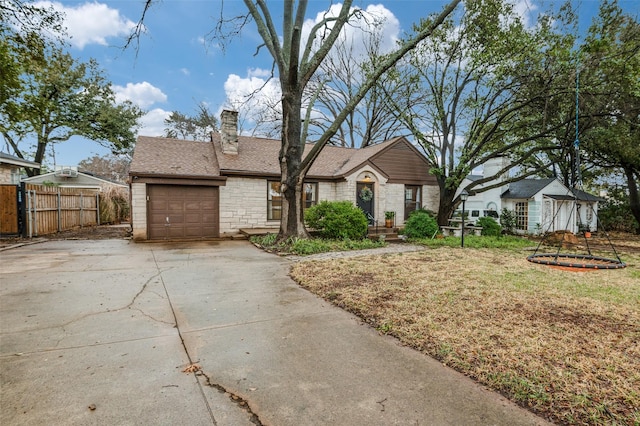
634 198
292 181
446 205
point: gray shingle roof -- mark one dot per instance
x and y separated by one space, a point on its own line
256 156
585 196
526 188
163 156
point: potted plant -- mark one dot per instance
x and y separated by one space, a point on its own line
585 228
388 219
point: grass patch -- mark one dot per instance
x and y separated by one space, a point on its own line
564 344
308 246
474 241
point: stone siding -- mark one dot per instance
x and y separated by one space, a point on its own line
394 202
9 174
243 204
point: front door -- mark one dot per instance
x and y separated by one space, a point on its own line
364 197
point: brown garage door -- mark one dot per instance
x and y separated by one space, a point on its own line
176 212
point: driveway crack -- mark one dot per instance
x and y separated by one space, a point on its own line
236 399
199 374
91 314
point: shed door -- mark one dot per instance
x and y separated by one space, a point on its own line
176 212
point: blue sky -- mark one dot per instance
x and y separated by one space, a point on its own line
175 68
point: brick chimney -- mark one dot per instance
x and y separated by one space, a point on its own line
229 132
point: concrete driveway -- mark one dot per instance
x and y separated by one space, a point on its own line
205 333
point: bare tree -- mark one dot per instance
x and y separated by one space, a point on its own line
111 167
296 65
197 127
339 77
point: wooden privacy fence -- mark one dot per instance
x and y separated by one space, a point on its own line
51 209
9 210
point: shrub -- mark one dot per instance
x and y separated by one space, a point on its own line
490 227
615 213
508 220
337 220
421 225
114 205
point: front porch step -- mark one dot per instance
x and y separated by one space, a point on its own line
390 234
377 230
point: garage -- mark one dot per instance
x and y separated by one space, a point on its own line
182 212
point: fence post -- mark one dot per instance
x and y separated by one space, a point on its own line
35 213
59 200
29 218
81 211
98 208
22 209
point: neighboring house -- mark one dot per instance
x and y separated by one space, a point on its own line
191 189
540 205
11 167
70 177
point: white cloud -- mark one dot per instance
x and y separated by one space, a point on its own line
142 94
372 22
185 71
526 10
91 23
152 124
259 72
257 99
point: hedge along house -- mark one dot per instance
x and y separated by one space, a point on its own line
190 189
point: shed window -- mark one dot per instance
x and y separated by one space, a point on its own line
522 216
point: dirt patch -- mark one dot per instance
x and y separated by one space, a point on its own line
102 232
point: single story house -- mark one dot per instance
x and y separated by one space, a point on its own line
540 205
11 168
70 177
195 189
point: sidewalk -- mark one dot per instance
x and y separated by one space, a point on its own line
88 336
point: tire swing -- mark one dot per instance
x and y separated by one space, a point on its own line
575 261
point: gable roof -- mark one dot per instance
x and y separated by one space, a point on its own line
80 180
526 188
171 157
256 157
585 196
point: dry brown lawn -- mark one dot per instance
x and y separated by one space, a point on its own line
564 344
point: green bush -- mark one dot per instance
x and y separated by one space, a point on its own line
337 220
421 224
615 214
508 220
490 228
